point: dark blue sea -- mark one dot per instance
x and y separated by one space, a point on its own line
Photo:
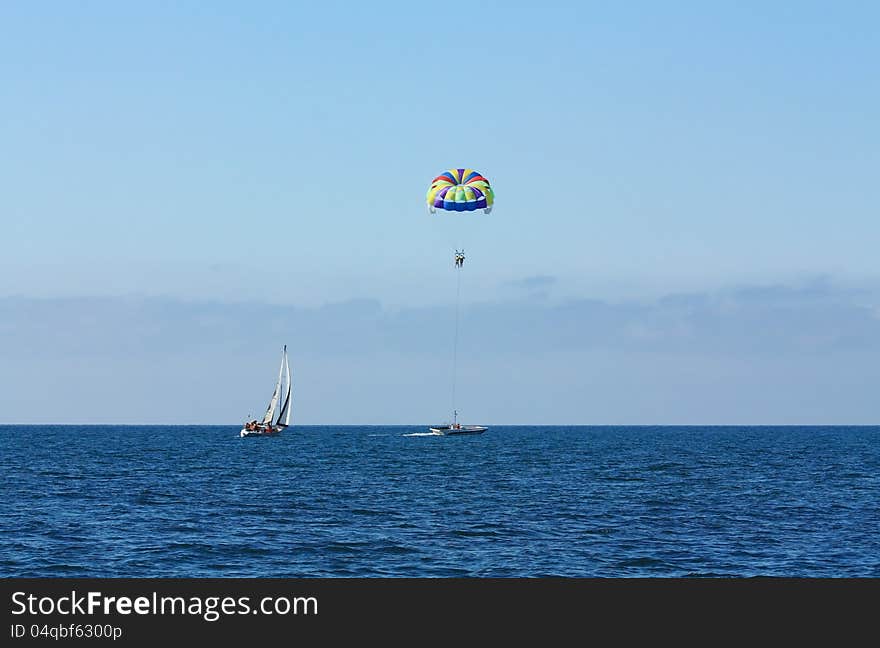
152 501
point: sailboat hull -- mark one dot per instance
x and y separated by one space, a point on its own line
448 430
258 433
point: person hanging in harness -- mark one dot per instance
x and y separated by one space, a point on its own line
459 258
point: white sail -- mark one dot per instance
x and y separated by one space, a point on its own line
284 414
273 403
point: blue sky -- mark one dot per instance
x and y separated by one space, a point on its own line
278 154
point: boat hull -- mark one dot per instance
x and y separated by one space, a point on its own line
258 433
448 430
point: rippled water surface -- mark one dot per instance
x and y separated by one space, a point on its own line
371 501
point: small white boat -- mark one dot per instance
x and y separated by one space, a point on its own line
266 427
457 428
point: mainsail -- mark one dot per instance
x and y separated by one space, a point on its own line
270 412
284 414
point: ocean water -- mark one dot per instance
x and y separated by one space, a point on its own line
110 501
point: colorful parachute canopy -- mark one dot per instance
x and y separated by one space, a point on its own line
460 190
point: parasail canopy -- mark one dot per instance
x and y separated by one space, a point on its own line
460 190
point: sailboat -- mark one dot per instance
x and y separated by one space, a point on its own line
457 428
266 427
